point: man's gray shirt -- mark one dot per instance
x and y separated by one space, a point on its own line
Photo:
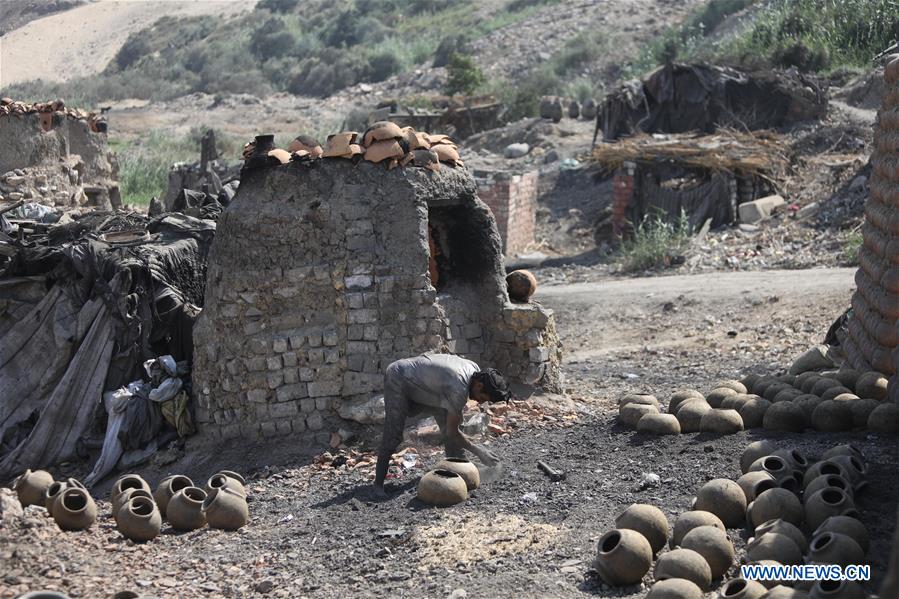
433 380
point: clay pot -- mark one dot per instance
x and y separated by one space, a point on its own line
630 414
464 468
623 557
724 498
381 131
761 385
227 509
735 402
722 422
847 377
828 480
855 468
832 416
834 548
755 483
716 396
776 467
659 424
229 478
740 588
793 458
125 482
185 509
753 412
861 411
786 395
808 382
139 520
772 391
737 386
845 525
690 414
687 521
783 527
442 488
713 545
53 491
648 520
824 384
835 392
808 403
74 509
639 398
837 589
820 468
679 397
167 488
686 564
123 498
674 588
773 504
754 451
845 449
521 285
784 592
884 419
826 503
872 385
769 563
774 546
31 486
785 416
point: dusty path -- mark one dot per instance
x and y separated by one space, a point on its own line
83 40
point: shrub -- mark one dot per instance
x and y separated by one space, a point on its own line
463 75
449 45
271 40
382 65
852 243
134 48
522 99
655 243
278 6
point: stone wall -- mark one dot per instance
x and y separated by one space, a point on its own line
318 279
513 200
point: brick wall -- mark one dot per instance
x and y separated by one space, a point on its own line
622 196
513 200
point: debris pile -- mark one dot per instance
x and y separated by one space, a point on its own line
56 109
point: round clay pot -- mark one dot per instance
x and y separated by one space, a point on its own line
785 416
773 504
845 449
674 588
769 563
53 491
832 416
774 546
31 486
808 403
623 557
750 380
686 564
855 468
226 509
648 520
845 525
43 595
827 480
784 592
167 488
847 377
835 392
834 548
793 458
824 384
722 422
753 412
442 488
740 588
846 397
464 468
735 402
139 520
872 385
716 396
659 424
713 545
825 503
687 521
786 395
754 451
227 478
724 498
690 414
123 498
639 398
731 384
185 509
74 509
861 411
787 378
630 414
762 384
122 484
783 527
809 383
679 397
521 285
820 468
837 589
775 466
755 483
884 419
773 390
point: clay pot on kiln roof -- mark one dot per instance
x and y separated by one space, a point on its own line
342 145
305 143
381 131
380 151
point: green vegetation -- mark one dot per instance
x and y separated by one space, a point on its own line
852 243
655 242
463 75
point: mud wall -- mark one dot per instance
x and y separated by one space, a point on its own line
318 279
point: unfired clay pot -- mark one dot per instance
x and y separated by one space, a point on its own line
754 451
834 548
873 385
139 520
639 398
167 488
828 480
712 544
623 557
753 413
674 588
659 424
225 508
793 457
785 416
740 588
679 397
631 413
690 414
31 486
832 416
784 592
845 449
785 528
826 503
464 468
223 477
725 499
755 483
735 402
648 520
837 589
687 521
716 396
884 419
774 546
125 482
686 564
737 386
442 488
776 467
824 384
185 509
855 468
820 468
54 490
74 509
123 498
722 422
773 504
845 525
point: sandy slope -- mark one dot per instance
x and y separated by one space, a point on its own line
83 40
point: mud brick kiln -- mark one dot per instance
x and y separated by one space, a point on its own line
319 278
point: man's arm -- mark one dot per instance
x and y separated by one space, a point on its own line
453 420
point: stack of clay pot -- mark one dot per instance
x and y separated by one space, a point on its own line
383 142
56 108
449 482
67 501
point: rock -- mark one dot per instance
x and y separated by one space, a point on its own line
363 411
858 184
458 594
516 150
550 157
760 209
9 505
476 424
156 208
264 586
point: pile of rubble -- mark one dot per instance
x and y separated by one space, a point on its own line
50 110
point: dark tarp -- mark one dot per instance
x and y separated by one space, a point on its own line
710 197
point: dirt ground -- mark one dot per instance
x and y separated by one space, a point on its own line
317 532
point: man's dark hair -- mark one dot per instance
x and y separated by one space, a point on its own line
494 384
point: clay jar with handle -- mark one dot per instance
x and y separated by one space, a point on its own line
464 468
226 508
185 509
227 477
442 488
623 557
54 491
31 486
139 519
125 482
167 488
74 509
